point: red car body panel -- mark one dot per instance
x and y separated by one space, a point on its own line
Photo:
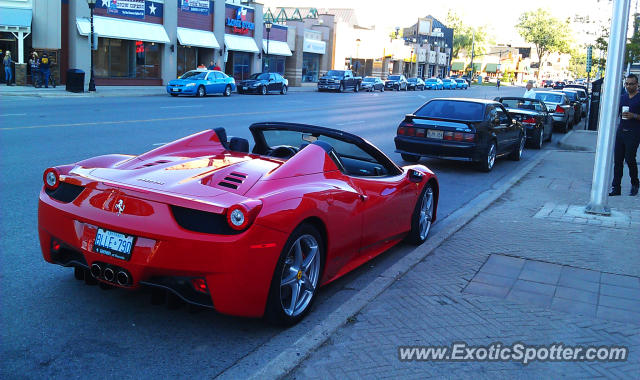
358 217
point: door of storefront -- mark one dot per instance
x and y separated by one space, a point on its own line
187 59
273 64
310 67
240 65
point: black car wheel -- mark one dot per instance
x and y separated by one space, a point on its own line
296 278
489 158
537 141
227 91
410 157
173 94
382 89
516 154
263 90
422 216
201 92
565 128
284 90
356 88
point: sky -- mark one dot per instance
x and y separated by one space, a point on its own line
499 16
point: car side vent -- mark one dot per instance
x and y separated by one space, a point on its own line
202 221
233 180
153 164
65 192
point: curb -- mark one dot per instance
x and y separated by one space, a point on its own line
298 351
98 94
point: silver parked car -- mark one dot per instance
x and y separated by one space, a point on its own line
559 104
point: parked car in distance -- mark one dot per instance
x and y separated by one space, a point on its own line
396 82
559 85
534 117
372 84
561 108
247 232
415 84
449 84
582 94
462 84
433 84
547 83
263 83
201 83
339 80
475 130
576 102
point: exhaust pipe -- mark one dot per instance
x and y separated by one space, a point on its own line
123 278
109 274
96 270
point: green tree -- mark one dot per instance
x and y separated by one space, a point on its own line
632 49
578 63
463 36
546 33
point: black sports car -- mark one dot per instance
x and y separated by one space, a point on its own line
460 129
263 83
534 117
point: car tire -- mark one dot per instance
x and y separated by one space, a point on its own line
489 158
263 90
173 95
550 135
227 91
516 154
201 92
356 88
422 217
537 142
299 268
79 273
382 89
283 91
565 128
410 157
341 88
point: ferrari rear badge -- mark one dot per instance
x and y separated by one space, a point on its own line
120 207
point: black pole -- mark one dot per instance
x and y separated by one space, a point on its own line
268 32
92 83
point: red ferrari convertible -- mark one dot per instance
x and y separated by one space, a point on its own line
246 233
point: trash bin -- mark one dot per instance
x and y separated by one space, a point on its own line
75 80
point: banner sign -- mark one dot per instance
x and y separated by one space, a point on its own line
129 8
240 24
195 6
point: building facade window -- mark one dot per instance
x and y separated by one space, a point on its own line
273 64
127 59
241 65
310 67
187 58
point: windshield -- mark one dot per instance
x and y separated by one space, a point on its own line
259 76
369 79
335 73
549 98
450 109
194 75
432 80
529 104
571 95
460 80
394 77
412 80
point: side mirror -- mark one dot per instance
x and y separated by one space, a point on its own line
415 176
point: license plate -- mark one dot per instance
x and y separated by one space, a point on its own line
174 90
114 244
435 134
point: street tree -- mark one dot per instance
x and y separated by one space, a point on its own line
632 48
546 33
464 36
578 63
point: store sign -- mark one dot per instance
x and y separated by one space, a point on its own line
240 24
314 46
129 8
195 6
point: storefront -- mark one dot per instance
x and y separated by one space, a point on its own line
240 45
313 48
130 42
275 49
197 43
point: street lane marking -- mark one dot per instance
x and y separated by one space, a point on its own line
195 106
13 114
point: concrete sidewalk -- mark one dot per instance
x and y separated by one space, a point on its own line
521 264
102 91
531 268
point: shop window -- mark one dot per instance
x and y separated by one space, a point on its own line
186 59
127 59
310 67
273 64
241 65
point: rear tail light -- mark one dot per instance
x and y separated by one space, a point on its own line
51 178
459 136
241 216
420 132
559 109
200 285
530 120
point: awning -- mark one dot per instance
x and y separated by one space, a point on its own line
15 19
276 48
239 43
491 68
108 27
199 38
457 66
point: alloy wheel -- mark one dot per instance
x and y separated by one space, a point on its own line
491 156
300 275
426 213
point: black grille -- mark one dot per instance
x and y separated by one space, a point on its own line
67 257
202 221
233 180
65 192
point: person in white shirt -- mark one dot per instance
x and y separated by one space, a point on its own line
529 93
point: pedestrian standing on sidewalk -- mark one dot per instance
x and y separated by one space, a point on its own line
529 93
498 83
7 67
45 69
34 64
627 138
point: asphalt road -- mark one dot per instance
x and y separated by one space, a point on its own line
53 326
